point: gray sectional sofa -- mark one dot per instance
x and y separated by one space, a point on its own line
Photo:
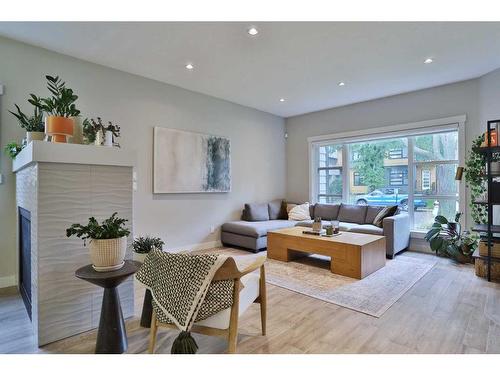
252 235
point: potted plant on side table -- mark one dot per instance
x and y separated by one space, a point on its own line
142 246
108 241
60 109
35 129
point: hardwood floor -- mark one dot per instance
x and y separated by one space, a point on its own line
449 310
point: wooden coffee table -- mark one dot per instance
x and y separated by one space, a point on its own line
355 255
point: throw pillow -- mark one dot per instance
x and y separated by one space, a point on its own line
256 212
385 212
277 210
300 212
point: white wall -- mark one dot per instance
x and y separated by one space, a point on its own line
438 102
137 104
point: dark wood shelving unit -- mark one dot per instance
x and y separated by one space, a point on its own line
489 229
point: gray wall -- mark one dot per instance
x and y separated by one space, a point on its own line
137 104
489 97
443 101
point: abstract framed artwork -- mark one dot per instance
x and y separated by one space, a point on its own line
188 162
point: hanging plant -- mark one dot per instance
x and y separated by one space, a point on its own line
475 171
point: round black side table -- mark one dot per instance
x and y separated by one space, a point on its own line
111 336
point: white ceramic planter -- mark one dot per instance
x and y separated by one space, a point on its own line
139 257
108 255
34 136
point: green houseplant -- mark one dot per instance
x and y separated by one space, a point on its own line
144 244
34 126
60 109
108 241
12 149
475 171
447 239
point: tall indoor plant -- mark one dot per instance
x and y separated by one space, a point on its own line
33 124
475 172
108 241
60 109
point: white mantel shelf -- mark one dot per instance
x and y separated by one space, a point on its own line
69 153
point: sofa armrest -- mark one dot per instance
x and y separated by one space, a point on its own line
397 233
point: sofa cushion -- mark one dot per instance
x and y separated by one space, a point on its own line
372 212
300 212
326 211
386 212
367 228
346 227
308 223
255 229
277 210
256 212
351 213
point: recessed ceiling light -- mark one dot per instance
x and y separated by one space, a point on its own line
428 61
252 31
341 83
282 100
189 66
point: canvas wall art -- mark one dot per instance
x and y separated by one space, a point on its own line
188 162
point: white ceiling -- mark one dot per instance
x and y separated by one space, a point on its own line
302 61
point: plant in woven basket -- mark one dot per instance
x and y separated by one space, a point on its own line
108 241
144 244
113 227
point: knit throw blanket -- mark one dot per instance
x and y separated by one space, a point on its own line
183 292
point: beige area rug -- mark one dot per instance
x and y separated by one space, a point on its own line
311 276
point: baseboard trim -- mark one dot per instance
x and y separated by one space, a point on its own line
197 246
7 281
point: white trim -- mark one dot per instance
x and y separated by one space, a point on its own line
441 124
196 246
7 281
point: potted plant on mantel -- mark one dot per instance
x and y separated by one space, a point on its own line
35 129
60 109
108 241
447 239
142 246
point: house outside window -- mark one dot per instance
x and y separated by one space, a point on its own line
426 179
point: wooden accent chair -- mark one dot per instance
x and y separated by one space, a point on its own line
249 287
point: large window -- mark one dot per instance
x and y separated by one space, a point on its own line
329 172
378 173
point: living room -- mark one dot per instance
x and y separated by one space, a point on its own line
343 192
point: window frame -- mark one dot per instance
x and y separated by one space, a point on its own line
410 130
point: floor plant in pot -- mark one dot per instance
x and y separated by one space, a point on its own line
107 241
34 126
142 246
60 109
447 239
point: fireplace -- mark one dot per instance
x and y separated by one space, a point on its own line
25 257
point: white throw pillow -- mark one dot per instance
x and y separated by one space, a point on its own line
300 212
